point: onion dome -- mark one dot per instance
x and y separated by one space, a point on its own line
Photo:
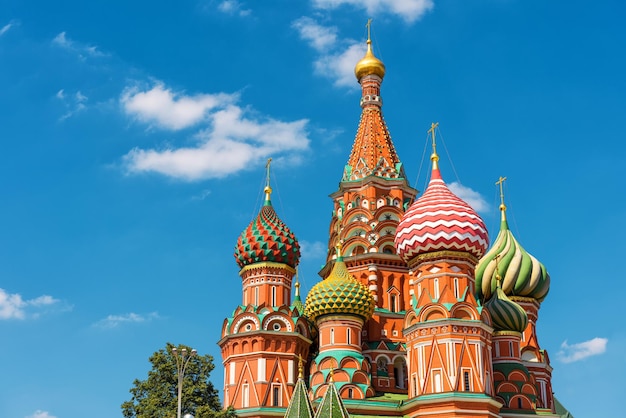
506 315
523 275
440 221
369 64
339 293
267 239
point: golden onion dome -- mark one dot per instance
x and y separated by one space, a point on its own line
339 294
369 64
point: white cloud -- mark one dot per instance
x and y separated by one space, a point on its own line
7 27
340 66
202 195
41 414
233 7
13 306
73 104
61 40
579 351
313 250
113 321
172 110
234 139
336 58
318 36
409 10
473 198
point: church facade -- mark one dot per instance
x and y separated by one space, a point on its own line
415 315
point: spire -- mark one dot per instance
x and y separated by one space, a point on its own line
299 405
297 300
268 189
331 405
500 183
373 153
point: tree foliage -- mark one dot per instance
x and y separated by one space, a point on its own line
156 397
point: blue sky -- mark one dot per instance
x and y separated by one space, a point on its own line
134 136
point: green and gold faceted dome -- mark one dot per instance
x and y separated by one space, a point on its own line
506 315
522 274
339 294
267 239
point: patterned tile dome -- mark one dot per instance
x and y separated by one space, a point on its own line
339 294
523 275
439 220
506 315
267 238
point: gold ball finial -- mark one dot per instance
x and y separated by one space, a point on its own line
369 64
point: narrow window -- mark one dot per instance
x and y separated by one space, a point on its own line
466 380
332 335
275 395
511 348
436 283
273 295
519 403
350 393
246 395
392 303
256 296
349 337
437 381
456 287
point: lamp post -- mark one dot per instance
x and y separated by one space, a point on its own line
182 360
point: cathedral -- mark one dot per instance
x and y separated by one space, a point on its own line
416 314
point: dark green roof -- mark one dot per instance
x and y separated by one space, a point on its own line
299 406
561 410
331 405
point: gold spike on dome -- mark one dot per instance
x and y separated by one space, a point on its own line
268 189
369 64
434 157
500 183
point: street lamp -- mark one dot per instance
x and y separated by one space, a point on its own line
182 360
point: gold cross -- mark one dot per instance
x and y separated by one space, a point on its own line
500 183
369 28
300 367
431 131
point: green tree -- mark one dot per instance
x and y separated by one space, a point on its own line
156 397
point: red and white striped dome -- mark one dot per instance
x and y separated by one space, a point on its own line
438 221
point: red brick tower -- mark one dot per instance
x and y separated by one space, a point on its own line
448 342
525 281
263 339
371 199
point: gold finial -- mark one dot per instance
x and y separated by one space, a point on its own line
332 376
339 246
300 367
434 157
500 183
297 283
268 189
369 64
